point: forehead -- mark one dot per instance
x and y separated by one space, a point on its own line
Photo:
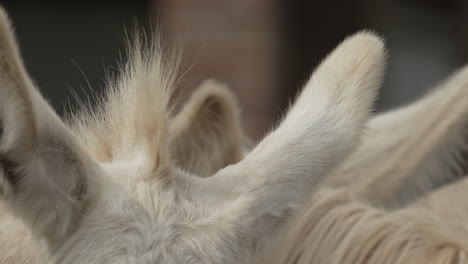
150 222
128 231
123 227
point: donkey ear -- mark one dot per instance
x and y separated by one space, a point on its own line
43 172
320 130
206 133
413 149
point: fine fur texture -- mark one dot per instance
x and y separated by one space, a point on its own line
132 116
449 201
206 135
105 187
217 111
344 226
411 150
128 181
335 229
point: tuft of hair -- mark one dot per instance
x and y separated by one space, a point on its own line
133 114
333 229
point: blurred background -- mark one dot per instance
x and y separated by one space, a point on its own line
263 49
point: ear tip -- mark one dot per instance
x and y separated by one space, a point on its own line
368 40
369 36
7 36
211 88
212 85
4 17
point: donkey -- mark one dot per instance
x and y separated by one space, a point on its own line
211 111
411 150
341 224
105 188
334 228
448 201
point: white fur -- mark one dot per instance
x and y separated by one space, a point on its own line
408 151
107 191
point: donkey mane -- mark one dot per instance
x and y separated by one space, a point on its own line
366 214
336 229
133 111
83 192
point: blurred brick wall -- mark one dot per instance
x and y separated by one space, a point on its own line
265 49
234 42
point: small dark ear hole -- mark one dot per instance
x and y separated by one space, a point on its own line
9 170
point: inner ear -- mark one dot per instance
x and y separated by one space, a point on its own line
44 171
206 135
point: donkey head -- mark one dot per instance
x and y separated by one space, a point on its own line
109 189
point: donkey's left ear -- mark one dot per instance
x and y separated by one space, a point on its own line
206 134
43 172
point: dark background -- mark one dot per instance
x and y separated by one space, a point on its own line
263 49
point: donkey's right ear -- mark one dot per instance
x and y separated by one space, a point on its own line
43 171
413 149
206 133
322 127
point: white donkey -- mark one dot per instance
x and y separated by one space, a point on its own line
106 190
403 152
411 150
